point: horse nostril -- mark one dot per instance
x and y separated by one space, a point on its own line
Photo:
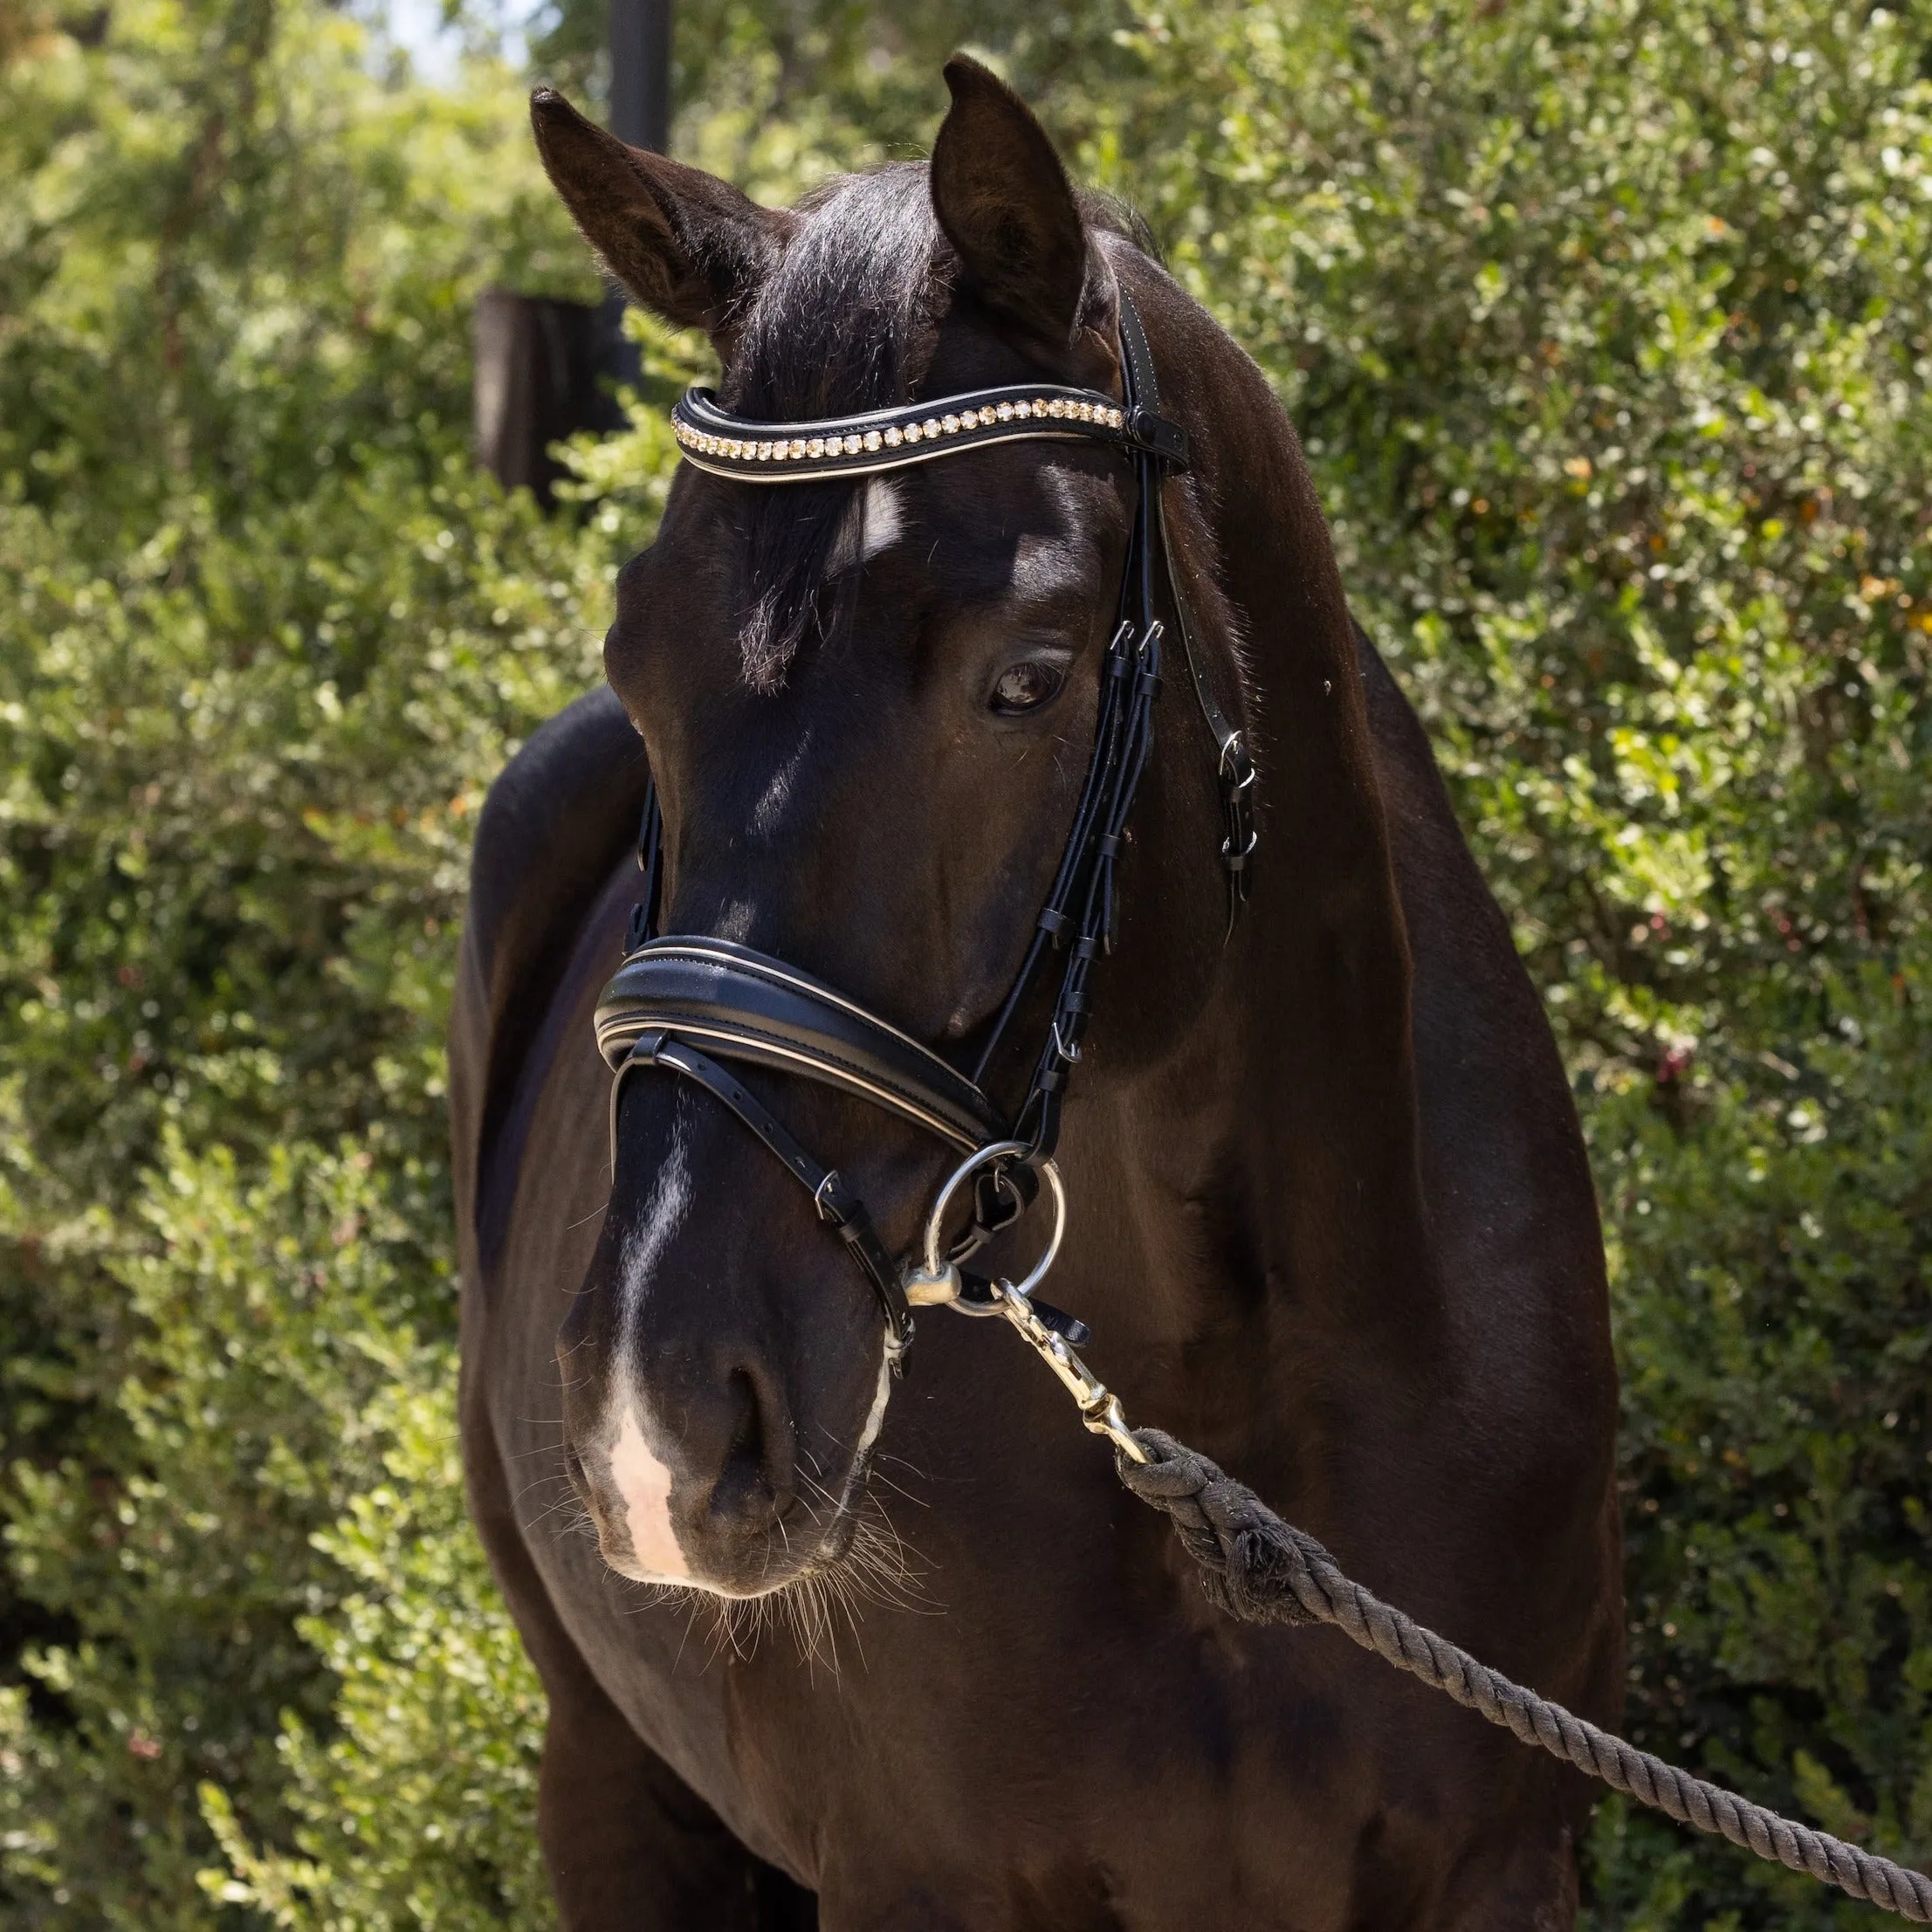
746 1486
748 1445
574 1467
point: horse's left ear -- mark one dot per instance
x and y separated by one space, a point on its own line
1003 199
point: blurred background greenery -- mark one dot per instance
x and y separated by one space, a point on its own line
1608 326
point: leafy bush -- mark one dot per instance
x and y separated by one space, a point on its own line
1607 328
226 1188
265 636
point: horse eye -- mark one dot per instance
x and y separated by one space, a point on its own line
1025 687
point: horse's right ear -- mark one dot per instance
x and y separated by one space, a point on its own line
684 243
1002 194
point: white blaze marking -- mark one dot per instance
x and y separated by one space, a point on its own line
872 523
644 1484
645 1243
641 1481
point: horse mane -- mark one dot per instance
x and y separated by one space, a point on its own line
846 323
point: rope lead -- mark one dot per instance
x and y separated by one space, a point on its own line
1264 1571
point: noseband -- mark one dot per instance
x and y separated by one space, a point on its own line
687 1003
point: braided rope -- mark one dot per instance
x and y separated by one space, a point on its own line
1264 1571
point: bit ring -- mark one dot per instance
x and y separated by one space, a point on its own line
937 1269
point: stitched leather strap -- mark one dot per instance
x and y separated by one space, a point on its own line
1235 767
730 1001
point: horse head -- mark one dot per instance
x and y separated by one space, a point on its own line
869 704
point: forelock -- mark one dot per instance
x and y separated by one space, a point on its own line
846 321
845 324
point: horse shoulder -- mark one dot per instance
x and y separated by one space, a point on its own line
1483 1045
555 826
1506 1178
1512 1213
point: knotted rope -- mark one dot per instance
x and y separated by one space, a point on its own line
1264 1571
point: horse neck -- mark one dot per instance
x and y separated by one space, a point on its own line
1289 1142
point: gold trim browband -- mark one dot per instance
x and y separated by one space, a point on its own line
726 445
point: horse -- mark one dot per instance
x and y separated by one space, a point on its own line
826 1643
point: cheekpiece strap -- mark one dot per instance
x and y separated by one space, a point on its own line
1235 764
726 445
835 1202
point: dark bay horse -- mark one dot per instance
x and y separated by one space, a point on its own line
1331 1219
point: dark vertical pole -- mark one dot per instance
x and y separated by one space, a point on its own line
543 367
640 73
640 114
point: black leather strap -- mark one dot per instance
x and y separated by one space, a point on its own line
651 862
835 1201
1078 917
730 1001
1234 765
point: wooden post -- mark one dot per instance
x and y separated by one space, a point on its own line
538 363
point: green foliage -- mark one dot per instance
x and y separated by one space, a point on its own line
235 890
192 1573
419 1810
265 636
1608 331
235 261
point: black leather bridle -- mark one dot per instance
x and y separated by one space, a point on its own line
687 1003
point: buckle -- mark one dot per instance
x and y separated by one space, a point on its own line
834 1199
1159 437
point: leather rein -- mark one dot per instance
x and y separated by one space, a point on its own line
688 1003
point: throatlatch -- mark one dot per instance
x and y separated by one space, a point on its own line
685 1003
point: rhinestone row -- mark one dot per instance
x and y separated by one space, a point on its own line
934 429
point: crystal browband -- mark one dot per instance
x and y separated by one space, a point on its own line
730 445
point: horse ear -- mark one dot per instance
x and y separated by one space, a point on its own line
1003 199
684 243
